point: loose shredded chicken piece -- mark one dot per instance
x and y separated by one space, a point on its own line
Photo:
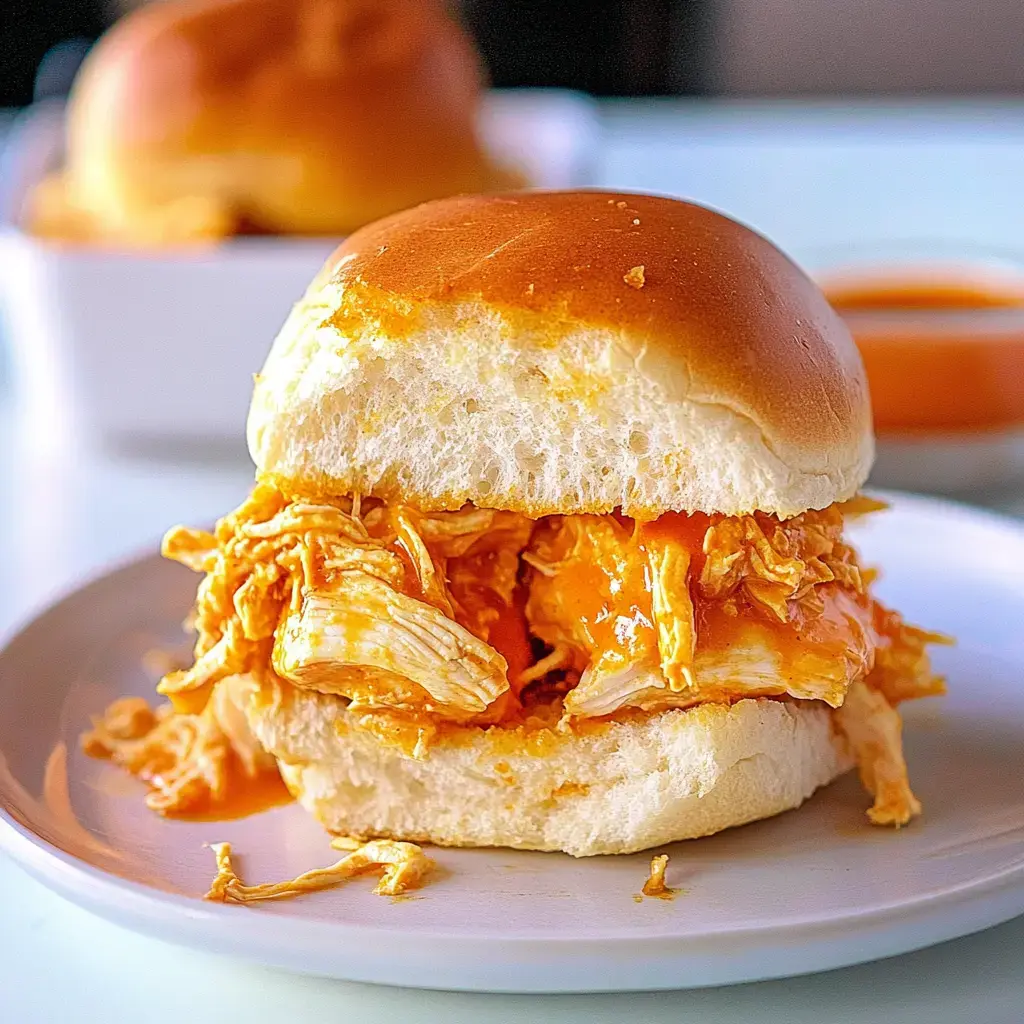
186 760
231 655
183 758
195 548
655 885
874 730
902 669
404 866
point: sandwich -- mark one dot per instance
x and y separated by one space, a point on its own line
546 547
197 120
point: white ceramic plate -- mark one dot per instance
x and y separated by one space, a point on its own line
809 890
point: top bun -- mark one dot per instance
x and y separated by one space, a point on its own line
565 352
198 119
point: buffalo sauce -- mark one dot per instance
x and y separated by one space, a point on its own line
609 597
612 599
245 796
800 644
684 528
614 603
509 635
942 354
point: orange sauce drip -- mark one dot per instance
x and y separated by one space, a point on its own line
798 642
612 602
685 529
245 797
616 605
510 636
613 599
941 356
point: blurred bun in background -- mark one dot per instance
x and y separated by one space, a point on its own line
197 120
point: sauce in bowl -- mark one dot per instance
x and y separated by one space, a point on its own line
943 349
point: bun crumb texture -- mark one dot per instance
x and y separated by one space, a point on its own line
565 353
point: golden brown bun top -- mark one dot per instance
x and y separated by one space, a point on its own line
305 116
708 298
560 353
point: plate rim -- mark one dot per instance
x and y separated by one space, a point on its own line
199 907
286 942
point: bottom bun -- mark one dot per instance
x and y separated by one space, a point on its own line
609 787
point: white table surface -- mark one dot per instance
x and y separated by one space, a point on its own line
810 176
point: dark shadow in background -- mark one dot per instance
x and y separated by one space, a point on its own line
606 47
29 28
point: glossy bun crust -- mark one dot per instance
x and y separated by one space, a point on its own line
196 119
565 352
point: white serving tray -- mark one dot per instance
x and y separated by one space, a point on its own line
141 349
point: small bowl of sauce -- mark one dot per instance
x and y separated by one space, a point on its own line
943 343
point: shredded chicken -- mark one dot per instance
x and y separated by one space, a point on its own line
188 760
404 867
803 625
626 603
418 656
775 566
782 610
589 596
668 567
476 615
902 669
430 576
479 550
655 884
369 608
874 730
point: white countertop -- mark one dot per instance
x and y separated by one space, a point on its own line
808 175
812 176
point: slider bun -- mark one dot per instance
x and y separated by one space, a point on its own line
490 349
195 118
614 787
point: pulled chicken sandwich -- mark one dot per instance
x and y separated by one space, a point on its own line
547 543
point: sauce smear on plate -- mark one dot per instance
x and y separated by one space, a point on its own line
245 797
